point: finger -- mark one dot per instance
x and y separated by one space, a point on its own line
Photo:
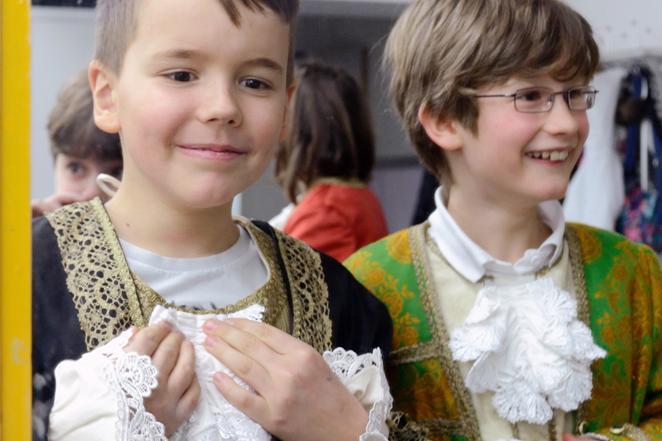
188 402
148 339
278 341
248 369
246 401
183 373
247 343
165 356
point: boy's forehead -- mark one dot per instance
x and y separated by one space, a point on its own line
146 10
165 24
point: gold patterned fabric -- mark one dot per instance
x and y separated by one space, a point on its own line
619 295
109 298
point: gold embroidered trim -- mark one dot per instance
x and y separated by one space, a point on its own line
581 293
468 423
403 429
100 285
310 295
413 353
271 295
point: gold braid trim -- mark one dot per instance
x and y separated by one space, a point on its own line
310 294
96 274
403 429
468 424
413 353
109 298
581 295
271 295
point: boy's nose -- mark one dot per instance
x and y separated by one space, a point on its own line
561 119
221 106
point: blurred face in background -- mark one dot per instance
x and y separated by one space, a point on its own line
77 176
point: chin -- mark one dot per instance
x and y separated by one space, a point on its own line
555 193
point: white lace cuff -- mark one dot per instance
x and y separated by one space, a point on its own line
100 396
364 377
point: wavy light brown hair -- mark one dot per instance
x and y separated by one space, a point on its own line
329 133
439 47
117 23
71 127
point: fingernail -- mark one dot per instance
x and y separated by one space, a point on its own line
210 325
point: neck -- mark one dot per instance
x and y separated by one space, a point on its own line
504 232
171 231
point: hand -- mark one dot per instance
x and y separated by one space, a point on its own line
175 398
52 203
297 396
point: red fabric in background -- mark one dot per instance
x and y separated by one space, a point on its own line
337 219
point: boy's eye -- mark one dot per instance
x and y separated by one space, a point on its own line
75 168
181 76
530 95
253 83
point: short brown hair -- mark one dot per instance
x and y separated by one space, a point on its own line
71 127
116 26
437 48
329 132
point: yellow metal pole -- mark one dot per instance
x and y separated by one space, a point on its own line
15 297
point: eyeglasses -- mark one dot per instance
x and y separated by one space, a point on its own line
541 99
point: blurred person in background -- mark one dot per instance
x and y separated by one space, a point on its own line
325 164
81 152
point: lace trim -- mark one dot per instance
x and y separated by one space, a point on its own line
95 279
347 365
132 377
543 364
109 299
310 295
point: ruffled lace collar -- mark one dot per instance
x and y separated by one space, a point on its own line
528 348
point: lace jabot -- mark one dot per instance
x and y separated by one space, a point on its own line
528 348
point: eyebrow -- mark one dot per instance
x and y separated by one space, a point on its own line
177 54
266 63
188 54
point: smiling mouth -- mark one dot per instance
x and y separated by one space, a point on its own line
549 155
213 149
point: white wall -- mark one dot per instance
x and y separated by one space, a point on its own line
62 44
624 28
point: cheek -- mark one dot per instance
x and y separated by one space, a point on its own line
584 128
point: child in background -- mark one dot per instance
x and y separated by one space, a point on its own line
325 163
80 150
508 322
151 287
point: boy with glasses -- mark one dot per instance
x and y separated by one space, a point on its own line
508 322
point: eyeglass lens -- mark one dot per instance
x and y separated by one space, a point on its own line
540 99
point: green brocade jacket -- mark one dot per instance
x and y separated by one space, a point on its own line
619 295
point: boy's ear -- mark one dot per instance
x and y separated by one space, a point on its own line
102 83
442 131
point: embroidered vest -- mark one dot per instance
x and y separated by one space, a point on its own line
619 293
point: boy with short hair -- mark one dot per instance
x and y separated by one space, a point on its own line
508 322
79 149
197 91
